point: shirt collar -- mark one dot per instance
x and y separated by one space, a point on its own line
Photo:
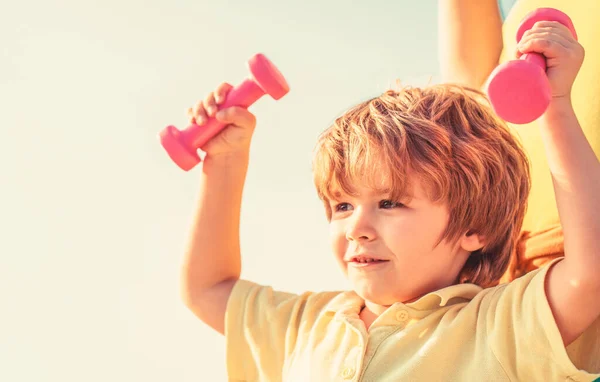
350 303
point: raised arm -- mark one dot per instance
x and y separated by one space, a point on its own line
212 263
573 284
469 40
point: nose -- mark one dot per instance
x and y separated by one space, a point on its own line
360 226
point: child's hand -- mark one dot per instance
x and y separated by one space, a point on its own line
236 136
564 55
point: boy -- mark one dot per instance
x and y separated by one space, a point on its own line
425 191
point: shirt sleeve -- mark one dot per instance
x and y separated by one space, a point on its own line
523 334
262 327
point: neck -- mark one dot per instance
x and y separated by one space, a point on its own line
376 310
371 310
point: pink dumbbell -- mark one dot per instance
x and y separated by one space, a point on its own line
519 90
182 146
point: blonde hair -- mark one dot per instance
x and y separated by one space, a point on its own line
463 155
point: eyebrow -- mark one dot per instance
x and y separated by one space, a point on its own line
338 194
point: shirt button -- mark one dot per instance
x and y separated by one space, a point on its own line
348 373
402 315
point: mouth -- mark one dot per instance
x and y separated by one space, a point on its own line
366 261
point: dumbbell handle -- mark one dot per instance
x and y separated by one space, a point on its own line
535 58
244 95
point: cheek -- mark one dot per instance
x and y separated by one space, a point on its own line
415 234
404 235
400 228
337 238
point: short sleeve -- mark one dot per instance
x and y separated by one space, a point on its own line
523 334
262 327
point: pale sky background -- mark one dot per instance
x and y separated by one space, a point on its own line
95 215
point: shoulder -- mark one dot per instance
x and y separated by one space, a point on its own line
249 296
516 321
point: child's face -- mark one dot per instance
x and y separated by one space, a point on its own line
406 237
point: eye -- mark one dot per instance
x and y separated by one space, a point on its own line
342 207
389 204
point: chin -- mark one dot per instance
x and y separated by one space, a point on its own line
377 294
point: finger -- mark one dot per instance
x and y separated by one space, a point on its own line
210 105
556 26
548 48
550 28
190 114
221 92
238 116
550 45
545 35
549 33
537 31
199 114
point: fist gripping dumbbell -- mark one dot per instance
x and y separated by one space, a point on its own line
519 90
182 146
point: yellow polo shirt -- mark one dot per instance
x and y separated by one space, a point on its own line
459 333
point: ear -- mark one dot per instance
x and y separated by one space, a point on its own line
471 241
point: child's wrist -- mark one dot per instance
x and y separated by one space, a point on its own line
560 105
229 157
227 160
559 109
